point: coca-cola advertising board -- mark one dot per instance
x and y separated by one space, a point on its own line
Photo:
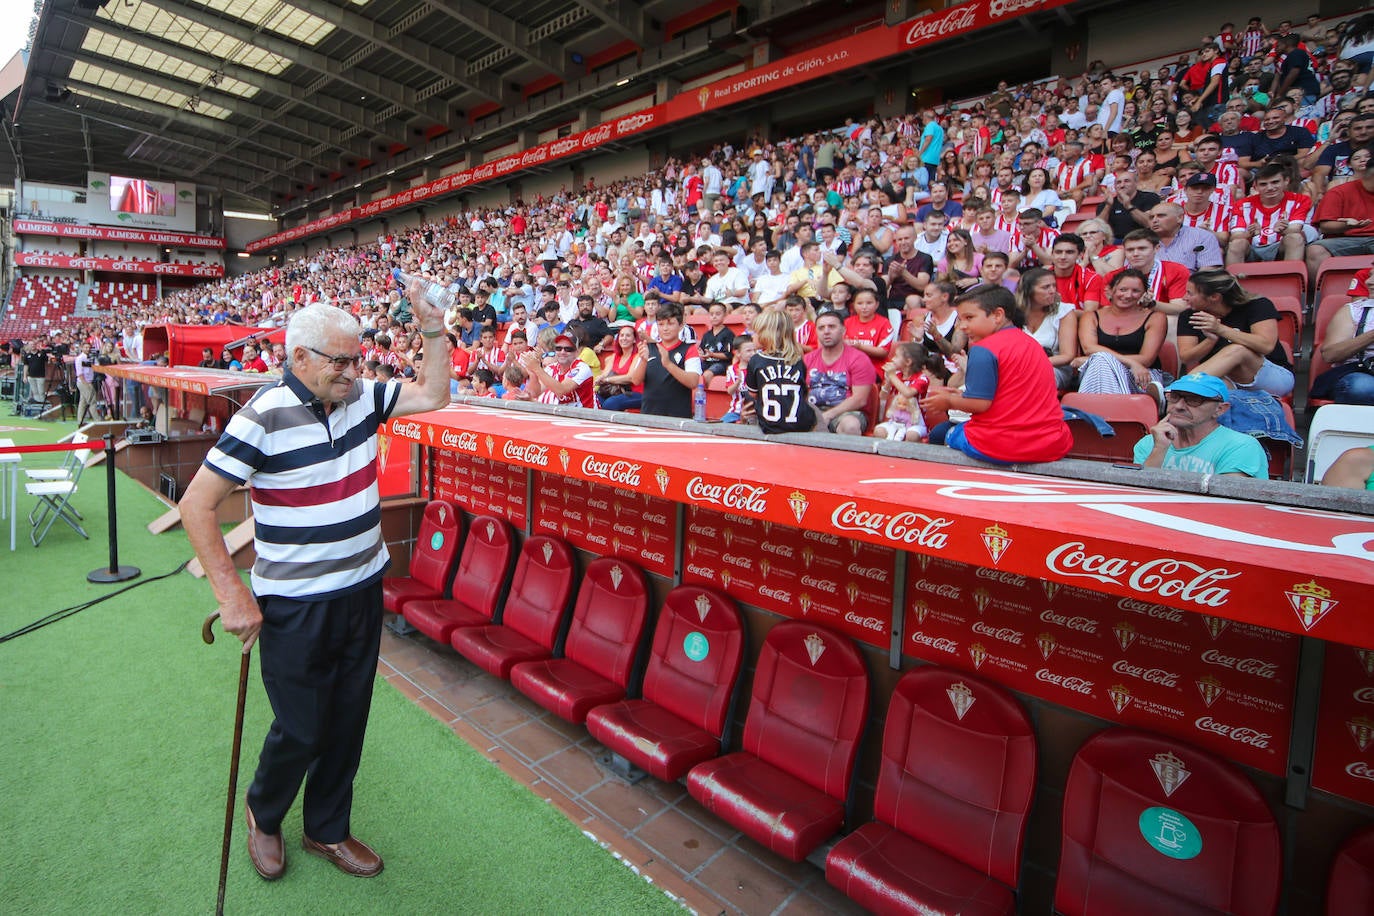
394 473
1344 759
607 521
481 486
1223 685
846 585
114 265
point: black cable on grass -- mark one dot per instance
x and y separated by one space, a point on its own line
63 614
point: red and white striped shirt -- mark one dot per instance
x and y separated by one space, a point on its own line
1216 218
1070 175
1293 208
1046 238
1251 42
806 334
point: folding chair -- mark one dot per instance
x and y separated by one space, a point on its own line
54 502
64 471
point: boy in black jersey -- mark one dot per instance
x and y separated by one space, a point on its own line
775 379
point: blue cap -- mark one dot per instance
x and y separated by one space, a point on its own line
1208 386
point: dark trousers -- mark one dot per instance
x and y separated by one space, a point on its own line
319 661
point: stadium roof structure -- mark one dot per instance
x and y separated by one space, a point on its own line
270 100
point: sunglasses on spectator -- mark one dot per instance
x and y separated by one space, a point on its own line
565 349
340 363
1192 400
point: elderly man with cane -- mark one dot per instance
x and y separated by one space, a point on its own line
308 448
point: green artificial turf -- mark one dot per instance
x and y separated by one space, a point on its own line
115 728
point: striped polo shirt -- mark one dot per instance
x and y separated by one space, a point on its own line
316 511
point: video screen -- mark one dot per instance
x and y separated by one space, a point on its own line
136 195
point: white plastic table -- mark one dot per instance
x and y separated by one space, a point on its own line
9 465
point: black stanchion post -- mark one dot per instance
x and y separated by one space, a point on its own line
115 572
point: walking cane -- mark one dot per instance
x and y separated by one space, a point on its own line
207 634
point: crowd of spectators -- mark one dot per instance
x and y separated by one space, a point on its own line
1255 146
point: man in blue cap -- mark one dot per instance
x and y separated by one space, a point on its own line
1191 437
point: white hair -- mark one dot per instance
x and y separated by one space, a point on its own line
310 326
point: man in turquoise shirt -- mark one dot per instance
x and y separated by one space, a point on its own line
1191 438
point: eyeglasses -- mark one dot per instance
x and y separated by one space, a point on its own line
1187 397
340 363
565 349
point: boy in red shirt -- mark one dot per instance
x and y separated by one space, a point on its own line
867 331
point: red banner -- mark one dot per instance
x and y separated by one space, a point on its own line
1223 685
816 63
70 262
115 234
1344 761
394 476
481 486
846 585
608 521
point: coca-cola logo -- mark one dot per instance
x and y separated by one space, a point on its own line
597 539
409 429
1005 634
822 537
901 527
1000 8
705 531
553 492
596 136
823 585
1149 675
779 550
621 472
1255 666
1071 683
930 28
627 530
876 624
735 560
633 123
652 556
601 504
938 643
463 442
571 516
656 519
703 571
1155 611
737 497
537 455
1079 623
942 589
1000 575
1241 734
868 572
1163 576
1360 770
1364 695
777 594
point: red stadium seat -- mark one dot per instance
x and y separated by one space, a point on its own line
1335 274
1290 321
603 642
1152 825
954 791
1279 452
483 571
689 685
1273 278
431 560
1327 307
540 592
1351 887
717 398
1131 415
788 787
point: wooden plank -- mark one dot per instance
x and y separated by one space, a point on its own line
236 540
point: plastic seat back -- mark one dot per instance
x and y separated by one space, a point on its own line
484 567
1327 307
696 657
1351 887
540 589
1335 428
958 769
1290 321
1335 274
1273 278
436 546
808 706
608 620
1130 415
1151 824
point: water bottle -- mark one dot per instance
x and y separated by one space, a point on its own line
699 403
436 294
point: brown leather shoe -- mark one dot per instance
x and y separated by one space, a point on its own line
352 856
265 849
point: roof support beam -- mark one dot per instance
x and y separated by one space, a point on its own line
315 101
506 32
401 97
624 18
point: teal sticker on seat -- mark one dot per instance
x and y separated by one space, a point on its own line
436 540
696 646
1170 833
